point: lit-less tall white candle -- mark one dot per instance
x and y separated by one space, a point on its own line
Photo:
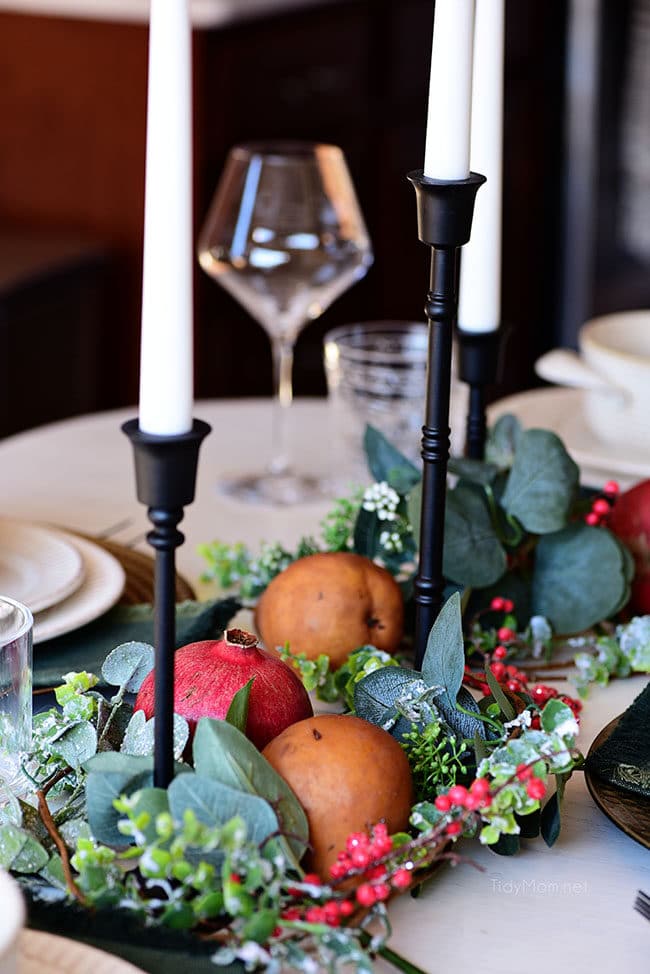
446 154
479 305
166 360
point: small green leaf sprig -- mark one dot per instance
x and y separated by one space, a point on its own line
337 686
625 652
509 786
234 567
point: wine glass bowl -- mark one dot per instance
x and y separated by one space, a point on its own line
284 236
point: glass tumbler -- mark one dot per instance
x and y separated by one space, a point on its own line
376 374
16 625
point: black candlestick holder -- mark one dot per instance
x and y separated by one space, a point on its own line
445 210
165 475
478 365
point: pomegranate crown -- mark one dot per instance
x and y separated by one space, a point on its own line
239 637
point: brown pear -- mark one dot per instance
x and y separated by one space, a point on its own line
332 603
348 775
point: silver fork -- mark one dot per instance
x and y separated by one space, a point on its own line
642 904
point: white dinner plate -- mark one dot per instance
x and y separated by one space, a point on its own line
44 953
38 567
102 586
561 411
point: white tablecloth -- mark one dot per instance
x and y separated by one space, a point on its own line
568 908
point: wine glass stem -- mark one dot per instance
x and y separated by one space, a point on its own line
283 395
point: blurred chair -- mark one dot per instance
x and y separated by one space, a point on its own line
52 326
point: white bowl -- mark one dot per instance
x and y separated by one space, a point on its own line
614 369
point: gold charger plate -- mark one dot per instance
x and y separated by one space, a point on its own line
627 810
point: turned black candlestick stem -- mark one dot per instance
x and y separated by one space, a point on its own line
165 473
477 366
445 210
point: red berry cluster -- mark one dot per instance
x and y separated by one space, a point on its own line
331 912
602 505
535 787
472 799
508 675
363 855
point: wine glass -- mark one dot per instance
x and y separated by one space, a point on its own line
285 237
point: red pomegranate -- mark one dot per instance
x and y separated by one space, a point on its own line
630 521
208 674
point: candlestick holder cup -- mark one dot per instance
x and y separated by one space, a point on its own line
478 365
165 473
445 209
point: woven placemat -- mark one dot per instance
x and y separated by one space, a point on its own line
139 569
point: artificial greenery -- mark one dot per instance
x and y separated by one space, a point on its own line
625 651
513 525
218 852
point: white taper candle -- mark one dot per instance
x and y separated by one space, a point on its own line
166 363
479 306
446 153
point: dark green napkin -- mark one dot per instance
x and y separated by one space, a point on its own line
624 758
88 647
156 950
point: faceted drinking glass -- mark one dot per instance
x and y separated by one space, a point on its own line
16 625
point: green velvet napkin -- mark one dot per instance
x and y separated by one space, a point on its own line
156 950
88 647
624 758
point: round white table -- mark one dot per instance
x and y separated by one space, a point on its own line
570 907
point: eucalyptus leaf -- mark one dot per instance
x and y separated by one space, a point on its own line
128 664
579 577
375 696
153 802
502 440
529 825
629 568
473 554
110 775
52 872
238 710
20 851
102 788
414 509
76 744
12 839
551 820
385 462
508 845
542 482
500 698
140 733
443 664
223 753
551 817
476 471
480 750
31 858
463 725
138 736
367 529
214 803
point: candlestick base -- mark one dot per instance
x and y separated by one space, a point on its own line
445 211
479 355
165 472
